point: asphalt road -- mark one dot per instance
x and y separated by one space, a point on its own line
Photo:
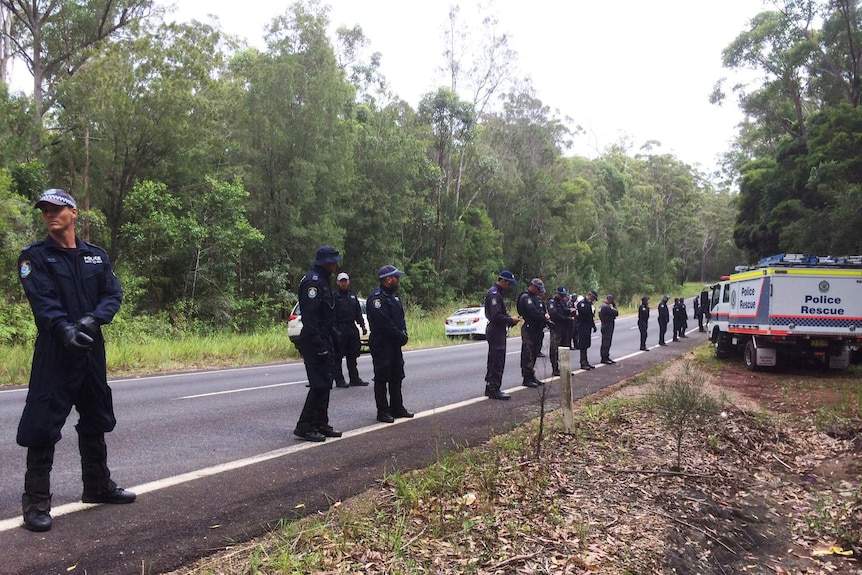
213 460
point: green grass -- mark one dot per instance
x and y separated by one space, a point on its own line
138 354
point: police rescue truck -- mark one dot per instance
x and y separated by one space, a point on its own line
789 305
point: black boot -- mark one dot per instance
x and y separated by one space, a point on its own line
98 485
353 373
528 382
495 393
37 514
36 500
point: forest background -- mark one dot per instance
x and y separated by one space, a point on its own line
211 170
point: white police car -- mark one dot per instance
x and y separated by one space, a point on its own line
468 321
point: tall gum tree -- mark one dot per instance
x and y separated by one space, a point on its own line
55 38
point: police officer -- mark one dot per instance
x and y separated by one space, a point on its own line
348 314
643 321
586 325
607 316
316 345
388 335
676 310
561 326
700 310
499 322
663 319
72 291
535 319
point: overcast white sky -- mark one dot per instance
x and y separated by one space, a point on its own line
639 69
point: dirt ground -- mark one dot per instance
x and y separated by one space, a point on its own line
769 485
774 489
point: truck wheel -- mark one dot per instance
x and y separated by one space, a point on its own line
721 351
750 356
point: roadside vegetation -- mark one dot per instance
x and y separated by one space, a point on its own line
157 344
764 479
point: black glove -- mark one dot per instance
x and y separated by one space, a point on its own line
364 330
76 340
595 329
404 338
88 325
323 356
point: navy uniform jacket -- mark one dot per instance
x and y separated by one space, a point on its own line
317 304
643 314
663 313
62 285
607 313
558 309
531 310
388 333
347 308
386 319
586 315
495 310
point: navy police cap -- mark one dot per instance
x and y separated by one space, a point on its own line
56 197
508 276
387 271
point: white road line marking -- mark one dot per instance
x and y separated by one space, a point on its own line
228 391
69 508
14 523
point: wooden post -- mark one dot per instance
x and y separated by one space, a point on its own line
566 382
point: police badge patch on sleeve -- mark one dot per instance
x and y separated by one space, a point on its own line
493 301
312 292
25 269
377 304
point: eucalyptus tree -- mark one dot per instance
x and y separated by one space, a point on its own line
795 182
149 106
55 38
526 141
16 128
294 138
452 123
392 215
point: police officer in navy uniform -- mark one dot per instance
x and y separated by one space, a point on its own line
607 316
643 321
561 326
388 335
499 322
348 314
72 291
586 326
663 319
535 319
316 345
676 311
